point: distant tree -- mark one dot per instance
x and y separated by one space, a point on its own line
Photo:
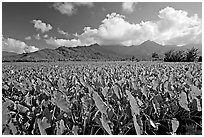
155 56
181 56
133 58
175 56
192 55
168 56
200 59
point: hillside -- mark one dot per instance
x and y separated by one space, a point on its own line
6 54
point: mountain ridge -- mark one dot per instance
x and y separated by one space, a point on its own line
97 52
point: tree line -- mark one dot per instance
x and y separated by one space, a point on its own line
191 55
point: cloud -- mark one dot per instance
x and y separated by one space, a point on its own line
39 25
88 4
63 42
37 36
17 46
70 8
62 32
28 38
128 6
174 27
45 36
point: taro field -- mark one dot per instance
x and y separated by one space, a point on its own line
102 98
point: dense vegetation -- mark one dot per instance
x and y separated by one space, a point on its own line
117 98
182 56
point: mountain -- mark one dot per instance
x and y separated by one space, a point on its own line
6 54
145 49
97 52
80 53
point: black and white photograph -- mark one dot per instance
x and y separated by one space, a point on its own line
101 68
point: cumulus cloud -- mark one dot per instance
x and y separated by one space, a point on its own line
63 42
128 6
45 36
37 36
17 46
70 8
62 32
42 26
173 27
28 38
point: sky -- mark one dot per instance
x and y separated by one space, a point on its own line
31 26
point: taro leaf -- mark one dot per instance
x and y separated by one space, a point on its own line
105 91
13 128
44 103
20 87
175 107
159 98
47 114
183 102
120 82
105 123
39 81
61 102
194 105
86 101
155 84
90 89
5 115
152 124
110 113
6 131
60 127
43 124
46 92
96 117
75 130
195 91
22 108
135 111
198 104
101 81
137 127
133 82
144 91
156 106
133 103
175 125
83 83
5 87
5 111
116 90
28 99
102 106
60 84
128 111
140 103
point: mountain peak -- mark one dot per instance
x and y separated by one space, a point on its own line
149 42
95 44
